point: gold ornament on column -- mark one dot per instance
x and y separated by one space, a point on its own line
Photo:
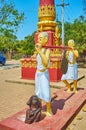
46 16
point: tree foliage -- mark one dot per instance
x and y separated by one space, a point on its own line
76 31
26 46
10 19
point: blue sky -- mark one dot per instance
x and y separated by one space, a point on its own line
30 9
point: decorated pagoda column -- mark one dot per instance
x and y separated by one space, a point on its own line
46 17
46 22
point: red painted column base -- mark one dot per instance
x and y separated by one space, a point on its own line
29 73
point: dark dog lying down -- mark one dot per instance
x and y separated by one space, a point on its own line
33 114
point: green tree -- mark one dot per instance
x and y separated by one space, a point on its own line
26 46
10 20
76 31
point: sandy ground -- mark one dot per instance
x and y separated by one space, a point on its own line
13 96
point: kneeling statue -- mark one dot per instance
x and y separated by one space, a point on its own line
33 114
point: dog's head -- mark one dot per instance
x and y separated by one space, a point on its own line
34 100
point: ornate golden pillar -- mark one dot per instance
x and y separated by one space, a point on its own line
46 22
